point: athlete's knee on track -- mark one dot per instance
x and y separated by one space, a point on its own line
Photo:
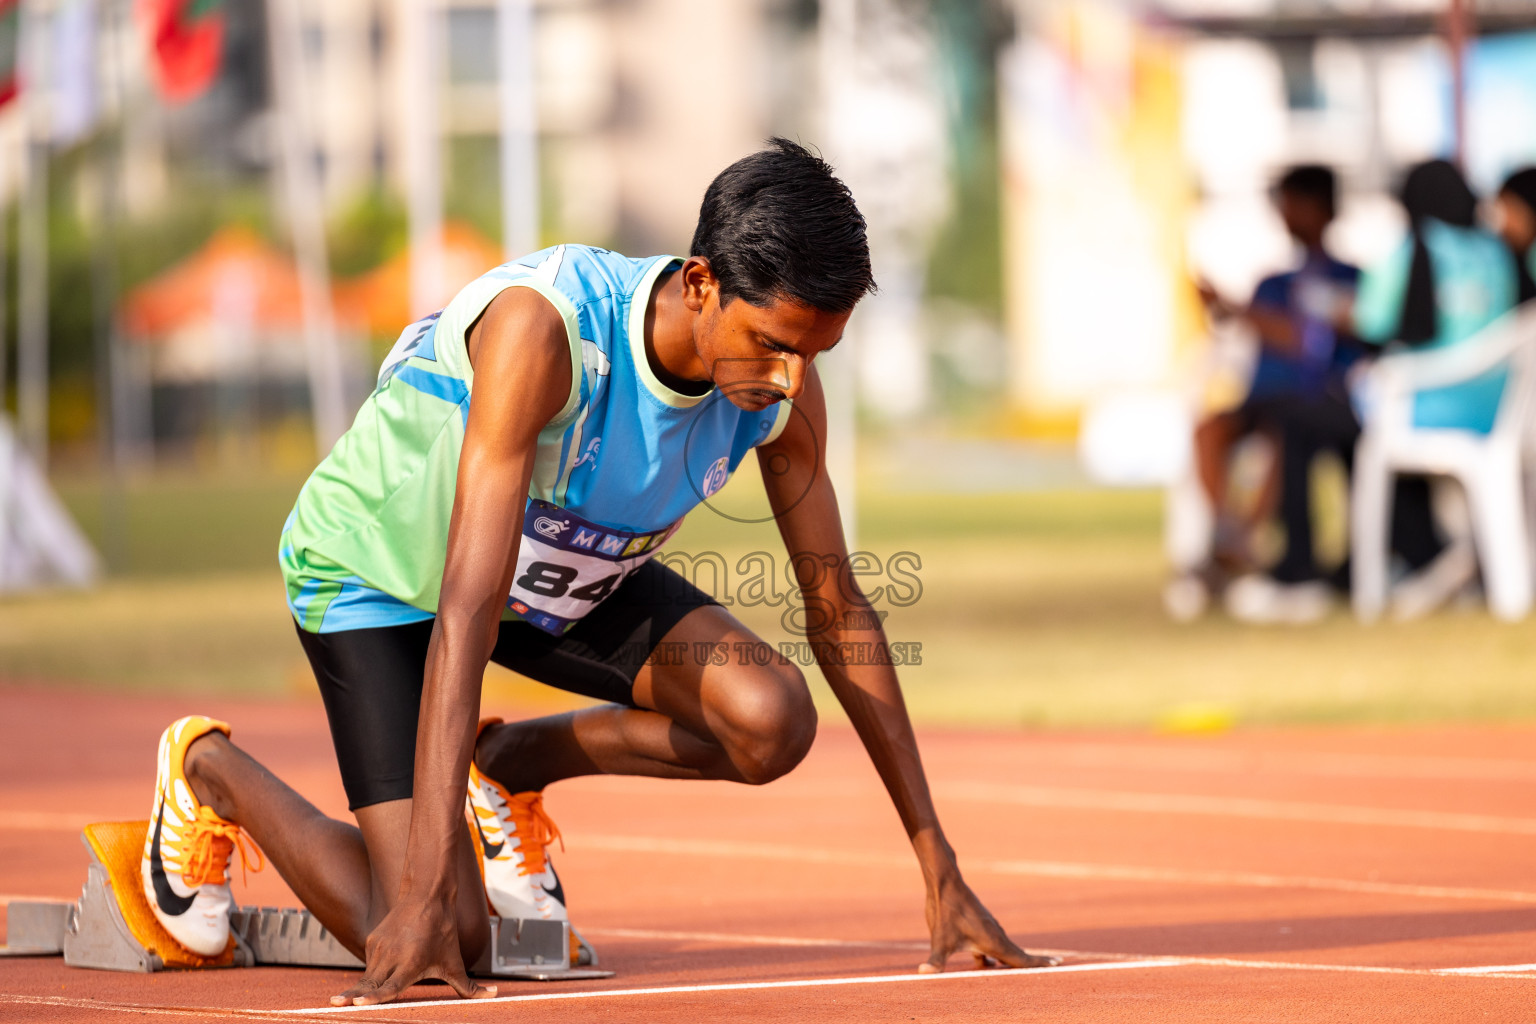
773 723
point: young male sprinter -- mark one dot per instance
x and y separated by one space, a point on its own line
540 438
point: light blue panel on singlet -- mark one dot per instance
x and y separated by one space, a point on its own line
635 455
644 454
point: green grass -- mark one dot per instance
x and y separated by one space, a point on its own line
228 634
185 524
1037 610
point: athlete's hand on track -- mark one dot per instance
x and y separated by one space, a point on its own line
958 923
415 941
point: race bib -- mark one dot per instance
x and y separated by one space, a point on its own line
566 565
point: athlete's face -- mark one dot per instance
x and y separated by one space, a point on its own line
1516 221
759 355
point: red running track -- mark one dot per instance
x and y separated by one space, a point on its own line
1316 875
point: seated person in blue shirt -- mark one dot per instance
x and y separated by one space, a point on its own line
1290 313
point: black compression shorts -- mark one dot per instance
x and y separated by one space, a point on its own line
371 679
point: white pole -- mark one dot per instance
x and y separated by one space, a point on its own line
421 61
7 499
306 215
7 155
32 241
837 40
519 128
104 286
6 465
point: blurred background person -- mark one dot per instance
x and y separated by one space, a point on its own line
1291 314
1515 218
1447 280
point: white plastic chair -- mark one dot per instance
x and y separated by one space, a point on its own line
1488 466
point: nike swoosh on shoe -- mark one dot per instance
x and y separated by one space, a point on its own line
491 852
170 902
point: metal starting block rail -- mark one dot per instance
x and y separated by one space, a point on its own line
112 928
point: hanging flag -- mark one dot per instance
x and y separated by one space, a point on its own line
10 35
187 39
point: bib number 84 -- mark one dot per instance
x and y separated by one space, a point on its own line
551 580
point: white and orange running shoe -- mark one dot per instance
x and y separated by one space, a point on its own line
515 833
186 853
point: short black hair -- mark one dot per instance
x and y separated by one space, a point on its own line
780 225
1312 181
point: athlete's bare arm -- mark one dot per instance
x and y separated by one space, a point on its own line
838 613
522 366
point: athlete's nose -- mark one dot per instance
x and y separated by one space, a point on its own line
795 367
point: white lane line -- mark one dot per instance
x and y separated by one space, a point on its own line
1292 965
1497 969
1118 962
718 849
1286 762
1104 961
1072 798
1502 970
1231 807
149 1010
1250 880
1114 962
48 821
1073 870
749 940
751 986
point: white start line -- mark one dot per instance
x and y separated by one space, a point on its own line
1098 962
1516 971
749 986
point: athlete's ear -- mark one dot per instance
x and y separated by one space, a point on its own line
699 283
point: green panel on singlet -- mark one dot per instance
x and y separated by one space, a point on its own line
381 501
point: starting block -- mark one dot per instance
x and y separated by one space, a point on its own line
111 927
36 928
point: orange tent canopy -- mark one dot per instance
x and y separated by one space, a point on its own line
379 300
234 266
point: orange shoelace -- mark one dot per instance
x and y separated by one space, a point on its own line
534 831
208 842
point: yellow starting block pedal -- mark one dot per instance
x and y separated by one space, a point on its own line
111 927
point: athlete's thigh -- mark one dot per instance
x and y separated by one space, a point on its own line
370 681
603 653
710 670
